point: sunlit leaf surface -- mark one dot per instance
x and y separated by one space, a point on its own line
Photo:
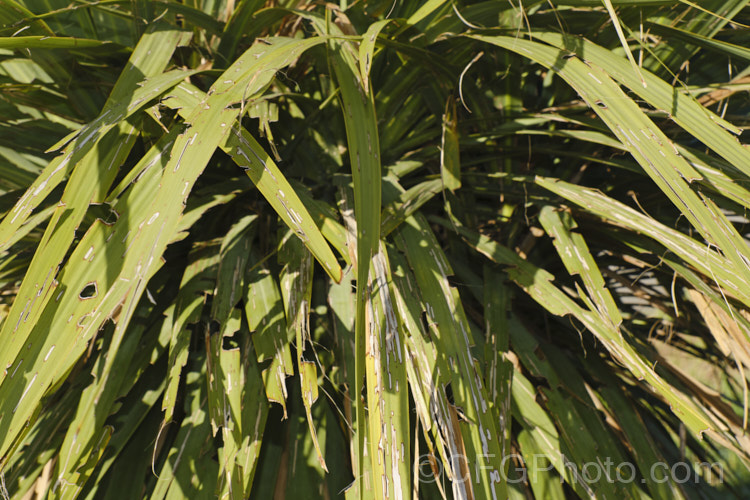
369 250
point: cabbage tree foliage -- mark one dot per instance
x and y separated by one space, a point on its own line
385 249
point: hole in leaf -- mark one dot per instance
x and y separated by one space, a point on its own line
449 394
89 291
230 343
425 322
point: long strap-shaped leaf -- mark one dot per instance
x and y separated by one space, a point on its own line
118 266
149 58
480 436
271 337
130 99
236 404
387 393
708 261
296 285
268 178
47 42
646 142
197 282
538 284
364 155
704 125
91 179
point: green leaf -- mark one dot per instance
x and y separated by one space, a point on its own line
265 315
538 284
47 42
270 181
367 51
481 437
450 161
646 142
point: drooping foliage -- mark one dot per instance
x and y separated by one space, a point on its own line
383 249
